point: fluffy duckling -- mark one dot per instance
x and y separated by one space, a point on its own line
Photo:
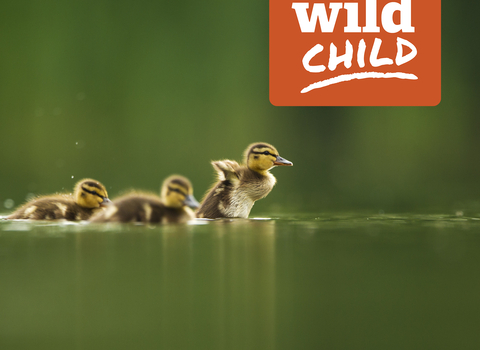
171 207
239 186
89 196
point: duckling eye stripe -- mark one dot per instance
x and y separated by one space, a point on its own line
92 192
264 152
175 190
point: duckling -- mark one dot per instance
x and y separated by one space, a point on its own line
89 196
171 207
239 186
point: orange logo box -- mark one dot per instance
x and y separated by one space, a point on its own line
364 53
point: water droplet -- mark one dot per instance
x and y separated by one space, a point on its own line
72 176
79 144
30 196
9 203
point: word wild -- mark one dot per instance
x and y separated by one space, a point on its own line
327 25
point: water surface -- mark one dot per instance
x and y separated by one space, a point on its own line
330 281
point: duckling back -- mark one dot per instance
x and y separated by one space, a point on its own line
52 208
142 208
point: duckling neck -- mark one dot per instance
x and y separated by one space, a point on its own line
259 184
260 172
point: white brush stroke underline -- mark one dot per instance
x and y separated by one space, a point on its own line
364 75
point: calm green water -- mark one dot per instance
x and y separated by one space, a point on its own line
293 282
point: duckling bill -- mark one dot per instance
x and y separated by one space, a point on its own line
239 186
171 207
89 196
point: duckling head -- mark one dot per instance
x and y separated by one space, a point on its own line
91 194
177 192
261 157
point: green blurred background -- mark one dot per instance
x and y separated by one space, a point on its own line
129 92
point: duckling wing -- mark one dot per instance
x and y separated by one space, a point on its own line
227 170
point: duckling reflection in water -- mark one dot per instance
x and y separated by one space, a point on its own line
171 207
89 197
239 186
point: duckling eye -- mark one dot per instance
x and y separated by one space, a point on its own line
269 154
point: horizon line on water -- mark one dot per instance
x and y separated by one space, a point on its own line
364 75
